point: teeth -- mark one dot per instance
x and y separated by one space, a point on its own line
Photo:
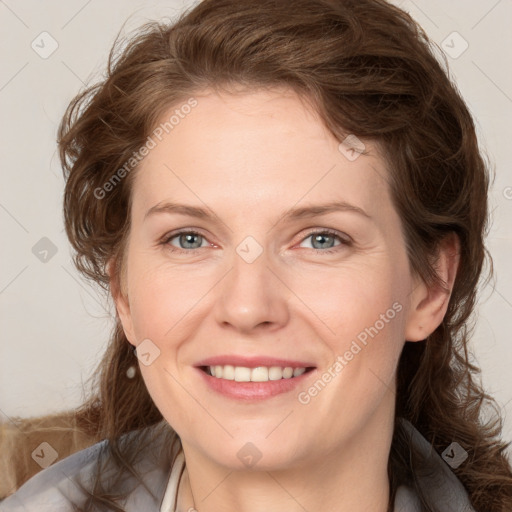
288 372
298 371
242 374
228 372
259 374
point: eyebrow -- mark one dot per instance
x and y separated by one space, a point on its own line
292 214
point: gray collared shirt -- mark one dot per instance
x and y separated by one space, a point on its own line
53 489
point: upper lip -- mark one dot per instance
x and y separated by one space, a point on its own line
253 361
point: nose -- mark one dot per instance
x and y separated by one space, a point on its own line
252 296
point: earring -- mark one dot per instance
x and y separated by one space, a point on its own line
130 373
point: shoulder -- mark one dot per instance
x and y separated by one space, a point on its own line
57 489
406 500
53 488
435 479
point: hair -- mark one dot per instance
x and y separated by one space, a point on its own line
368 69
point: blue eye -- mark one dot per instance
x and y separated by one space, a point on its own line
192 240
187 240
320 237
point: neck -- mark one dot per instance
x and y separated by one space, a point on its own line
352 477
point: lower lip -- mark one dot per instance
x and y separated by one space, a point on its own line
253 390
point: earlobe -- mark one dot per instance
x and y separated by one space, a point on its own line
122 304
429 305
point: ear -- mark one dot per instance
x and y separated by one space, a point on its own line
428 306
118 289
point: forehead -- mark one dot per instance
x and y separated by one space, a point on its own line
265 150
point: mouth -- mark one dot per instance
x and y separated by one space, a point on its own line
255 374
250 380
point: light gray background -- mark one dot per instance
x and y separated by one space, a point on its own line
54 326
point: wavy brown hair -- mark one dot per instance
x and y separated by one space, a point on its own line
367 69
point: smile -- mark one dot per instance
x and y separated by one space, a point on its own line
253 384
258 374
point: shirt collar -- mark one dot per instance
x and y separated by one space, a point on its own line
439 484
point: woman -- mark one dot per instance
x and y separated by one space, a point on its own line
252 367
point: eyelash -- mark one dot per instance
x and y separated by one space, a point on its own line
344 241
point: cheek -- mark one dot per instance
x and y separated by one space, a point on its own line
346 301
162 296
371 318
359 314
369 329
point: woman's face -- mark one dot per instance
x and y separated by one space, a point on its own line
254 281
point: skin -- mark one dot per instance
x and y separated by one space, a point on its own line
248 158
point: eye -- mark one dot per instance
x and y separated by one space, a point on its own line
324 240
187 241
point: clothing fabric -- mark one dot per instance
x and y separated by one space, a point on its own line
55 490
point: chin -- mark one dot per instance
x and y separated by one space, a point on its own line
254 456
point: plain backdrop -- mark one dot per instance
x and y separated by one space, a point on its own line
54 326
